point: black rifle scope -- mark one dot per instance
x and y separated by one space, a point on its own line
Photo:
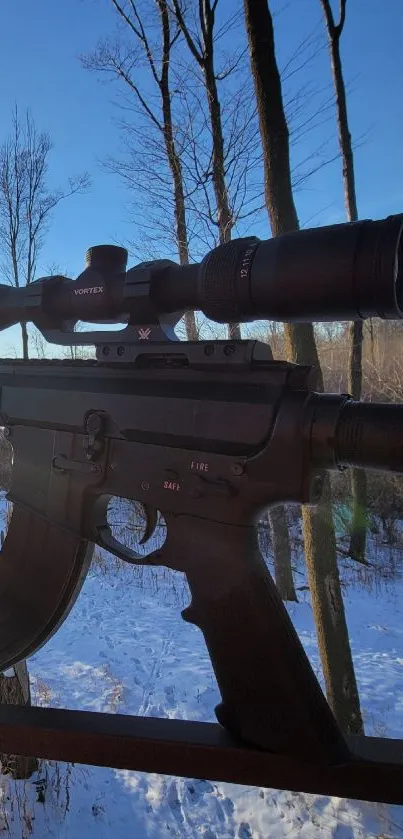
341 272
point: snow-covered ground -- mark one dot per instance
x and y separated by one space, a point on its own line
125 648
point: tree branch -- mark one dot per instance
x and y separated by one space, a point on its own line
328 12
139 31
334 29
189 40
129 81
342 19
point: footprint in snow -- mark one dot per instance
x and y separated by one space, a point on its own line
174 803
155 711
196 790
170 696
343 831
200 793
96 617
244 831
228 805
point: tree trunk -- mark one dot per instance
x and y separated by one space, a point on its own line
277 518
24 334
15 690
179 198
281 553
174 160
224 213
358 476
328 610
318 527
359 518
205 58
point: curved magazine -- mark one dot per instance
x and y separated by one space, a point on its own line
42 569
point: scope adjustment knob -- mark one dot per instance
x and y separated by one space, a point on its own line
107 259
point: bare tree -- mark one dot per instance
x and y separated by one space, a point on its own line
242 160
281 547
234 159
26 202
319 535
201 47
358 476
123 61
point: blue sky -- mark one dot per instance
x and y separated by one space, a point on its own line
39 69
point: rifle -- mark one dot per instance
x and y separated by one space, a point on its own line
210 434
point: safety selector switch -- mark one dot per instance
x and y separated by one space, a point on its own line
202 486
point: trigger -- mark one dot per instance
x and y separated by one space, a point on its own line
151 515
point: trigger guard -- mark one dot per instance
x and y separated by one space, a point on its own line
105 539
100 532
151 523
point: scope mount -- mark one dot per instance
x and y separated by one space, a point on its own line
116 346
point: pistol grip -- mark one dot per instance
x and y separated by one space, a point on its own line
270 695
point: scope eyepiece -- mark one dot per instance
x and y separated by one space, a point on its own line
341 272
